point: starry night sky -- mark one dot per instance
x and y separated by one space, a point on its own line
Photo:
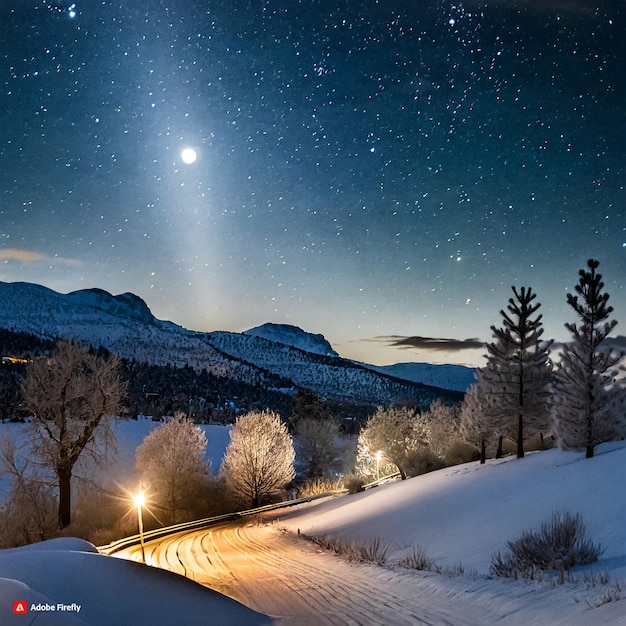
373 171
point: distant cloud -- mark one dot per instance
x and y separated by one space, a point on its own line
21 255
437 344
29 257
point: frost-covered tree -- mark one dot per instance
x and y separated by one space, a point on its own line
475 429
171 461
259 458
394 434
589 401
72 397
441 422
514 386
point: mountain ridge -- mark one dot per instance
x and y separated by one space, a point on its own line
125 325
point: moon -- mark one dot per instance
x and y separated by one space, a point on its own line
189 156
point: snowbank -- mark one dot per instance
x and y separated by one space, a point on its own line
66 582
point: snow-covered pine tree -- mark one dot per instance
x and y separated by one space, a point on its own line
588 399
514 385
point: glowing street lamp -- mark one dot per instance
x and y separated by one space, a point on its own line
379 454
140 499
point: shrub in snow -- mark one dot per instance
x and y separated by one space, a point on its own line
375 552
461 452
422 461
420 561
353 483
317 486
560 544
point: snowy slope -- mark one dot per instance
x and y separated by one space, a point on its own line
335 378
454 377
464 513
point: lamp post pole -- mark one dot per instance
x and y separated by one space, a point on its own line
139 502
378 455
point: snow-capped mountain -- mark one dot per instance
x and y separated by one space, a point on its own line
456 377
293 336
124 325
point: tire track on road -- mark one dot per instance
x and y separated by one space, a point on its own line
292 581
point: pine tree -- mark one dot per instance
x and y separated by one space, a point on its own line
513 388
586 413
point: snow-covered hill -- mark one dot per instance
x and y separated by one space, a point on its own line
457 377
461 515
124 325
293 336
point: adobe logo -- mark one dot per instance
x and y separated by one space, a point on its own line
20 607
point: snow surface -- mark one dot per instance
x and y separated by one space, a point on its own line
464 513
108 591
459 515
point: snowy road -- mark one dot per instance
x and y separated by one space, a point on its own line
290 580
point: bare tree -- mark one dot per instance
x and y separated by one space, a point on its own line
316 443
171 461
259 458
72 396
29 511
